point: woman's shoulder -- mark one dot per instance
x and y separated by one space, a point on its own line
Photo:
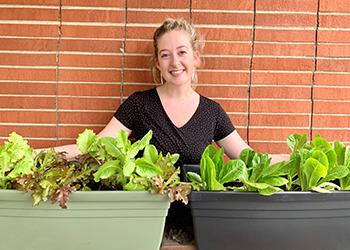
141 94
207 102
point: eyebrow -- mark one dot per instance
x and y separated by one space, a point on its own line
179 47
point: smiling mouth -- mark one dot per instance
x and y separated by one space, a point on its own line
176 72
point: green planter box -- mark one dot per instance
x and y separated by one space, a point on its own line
288 220
93 220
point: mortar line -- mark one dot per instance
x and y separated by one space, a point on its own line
250 73
123 53
314 70
58 49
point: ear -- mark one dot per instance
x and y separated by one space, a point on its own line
197 58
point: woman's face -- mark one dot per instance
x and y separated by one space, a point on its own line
176 59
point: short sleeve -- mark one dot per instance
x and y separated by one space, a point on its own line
127 111
224 126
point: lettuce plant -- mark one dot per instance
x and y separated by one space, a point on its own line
105 163
317 165
252 172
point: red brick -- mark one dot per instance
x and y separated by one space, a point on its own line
28 14
82 103
28 102
85 117
174 4
111 46
143 76
30 2
27 74
277 120
294 92
154 17
334 21
226 63
211 77
331 121
95 61
28 131
333 50
334 6
28 59
277 35
29 88
333 79
289 20
227 48
137 61
226 34
28 116
108 16
282 78
335 36
138 47
90 75
239 119
28 44
28 30
333 65
233 105
270 147
302 64
330 93
140 32
280 106
332 135
331 107
222 18
284 49
74 131
43 143
274 134
287 5
77 89
223 91
97 3
93 31
223 5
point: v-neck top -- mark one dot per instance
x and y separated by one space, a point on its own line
143 111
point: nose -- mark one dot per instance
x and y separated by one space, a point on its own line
175 59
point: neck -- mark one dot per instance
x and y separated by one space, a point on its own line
178 92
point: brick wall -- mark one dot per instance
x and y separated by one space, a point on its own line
276 66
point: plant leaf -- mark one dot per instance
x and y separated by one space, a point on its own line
107 170
86 141
232 170
147 169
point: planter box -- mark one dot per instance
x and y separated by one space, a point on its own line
93 220
289 220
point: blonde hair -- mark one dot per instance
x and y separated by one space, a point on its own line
168 25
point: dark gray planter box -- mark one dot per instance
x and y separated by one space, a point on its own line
288 221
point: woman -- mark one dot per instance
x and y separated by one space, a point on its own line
182 121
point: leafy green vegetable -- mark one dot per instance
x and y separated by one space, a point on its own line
317 163
16 159
106 163
253 170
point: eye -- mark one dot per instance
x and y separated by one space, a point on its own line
164 55
183 52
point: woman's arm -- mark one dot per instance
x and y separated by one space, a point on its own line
110 130
233 144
